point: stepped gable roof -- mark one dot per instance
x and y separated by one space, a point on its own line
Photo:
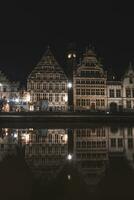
47 59
90 58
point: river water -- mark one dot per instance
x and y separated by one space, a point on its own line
63 163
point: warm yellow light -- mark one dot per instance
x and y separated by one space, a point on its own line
66 98
65 138
28 97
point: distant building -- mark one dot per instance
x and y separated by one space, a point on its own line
120 94
9 92
47 85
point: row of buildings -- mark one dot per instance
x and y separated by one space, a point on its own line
84 86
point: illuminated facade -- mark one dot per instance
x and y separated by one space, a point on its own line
121 93
89 84
47 85
93 91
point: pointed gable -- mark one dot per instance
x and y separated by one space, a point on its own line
129 71
47 65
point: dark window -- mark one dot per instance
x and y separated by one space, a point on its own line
113 142
128 93
118 93
111 93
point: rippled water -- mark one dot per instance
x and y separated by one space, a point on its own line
89 162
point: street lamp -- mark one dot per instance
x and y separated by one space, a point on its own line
69 85
69 157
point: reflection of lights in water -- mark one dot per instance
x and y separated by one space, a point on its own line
69 177
69 157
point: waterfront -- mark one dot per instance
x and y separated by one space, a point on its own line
67 117
86 161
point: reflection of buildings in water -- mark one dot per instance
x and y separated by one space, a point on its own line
46 151
121 143
91 153
94 146
7 143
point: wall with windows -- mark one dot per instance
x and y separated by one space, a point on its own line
89 84
47 85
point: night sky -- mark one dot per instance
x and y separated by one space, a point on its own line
26 28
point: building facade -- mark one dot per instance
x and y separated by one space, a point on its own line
47 85
9 92
120 94
93 91
89 84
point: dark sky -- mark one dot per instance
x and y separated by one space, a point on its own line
27 27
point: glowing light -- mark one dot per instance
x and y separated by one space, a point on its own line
69 55
66 138
17 100
31 108
68 176
15 135
28 97
25 137
69 85
66 98
69 157
0 84
74 55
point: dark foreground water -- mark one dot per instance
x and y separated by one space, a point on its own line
89 162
